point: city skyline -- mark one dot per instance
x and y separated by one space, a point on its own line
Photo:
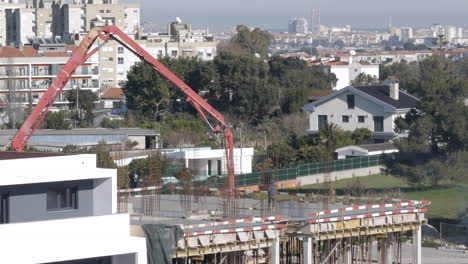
274 14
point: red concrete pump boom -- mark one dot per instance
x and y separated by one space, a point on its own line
84 52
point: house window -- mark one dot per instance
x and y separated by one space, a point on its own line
209 167
62 199
4 209
120 50
360 119
345 119
322 121
219 167
174 53
378 124
350 100
120 60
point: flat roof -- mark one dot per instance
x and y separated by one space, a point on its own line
88 131
9 155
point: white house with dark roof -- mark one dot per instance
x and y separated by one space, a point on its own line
373 107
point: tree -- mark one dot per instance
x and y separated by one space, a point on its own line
247 41
408 75
282 155
361 135
245 88
437 127
57 120
86 100
364 79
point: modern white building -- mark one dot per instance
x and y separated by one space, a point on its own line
62 209
406 34
365 150
205 162
372 107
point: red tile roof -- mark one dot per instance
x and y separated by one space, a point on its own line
29 51
113 93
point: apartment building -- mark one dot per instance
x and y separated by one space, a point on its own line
27 71
60 19
48 216
179 41
79 17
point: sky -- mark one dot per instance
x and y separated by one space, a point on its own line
274 14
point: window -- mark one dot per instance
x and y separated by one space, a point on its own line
120 60
4 209
209 167
378 123
108 11
62 199
219 167
322 121
120 50
111 58
101 11
360 119
174 53
350 100
345 119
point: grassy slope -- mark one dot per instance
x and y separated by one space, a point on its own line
447 201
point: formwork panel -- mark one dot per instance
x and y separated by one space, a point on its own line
348 224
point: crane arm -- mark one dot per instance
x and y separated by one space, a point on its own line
82 53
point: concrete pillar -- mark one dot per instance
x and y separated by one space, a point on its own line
307 245
381 250
389 249
417 245
346 253
275 252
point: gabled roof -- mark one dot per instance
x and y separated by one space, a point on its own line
376 93
382 92
113 93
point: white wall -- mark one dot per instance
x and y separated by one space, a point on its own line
68 239
342 74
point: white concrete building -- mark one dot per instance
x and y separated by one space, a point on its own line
406 34
347 70
49 216
205 162
365 150
371 107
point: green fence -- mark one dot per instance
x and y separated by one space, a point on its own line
285 174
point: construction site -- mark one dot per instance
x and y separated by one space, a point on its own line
253 227
188 223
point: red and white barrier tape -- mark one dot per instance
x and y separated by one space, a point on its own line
369 206
237 221
140 189
353 217
234 230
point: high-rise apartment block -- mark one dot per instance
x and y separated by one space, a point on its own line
298 25
59 19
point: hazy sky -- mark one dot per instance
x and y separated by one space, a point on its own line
219 14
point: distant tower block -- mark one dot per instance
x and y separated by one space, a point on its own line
315 20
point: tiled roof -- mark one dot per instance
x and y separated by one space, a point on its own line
29 51
382 93
113 93
320 93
